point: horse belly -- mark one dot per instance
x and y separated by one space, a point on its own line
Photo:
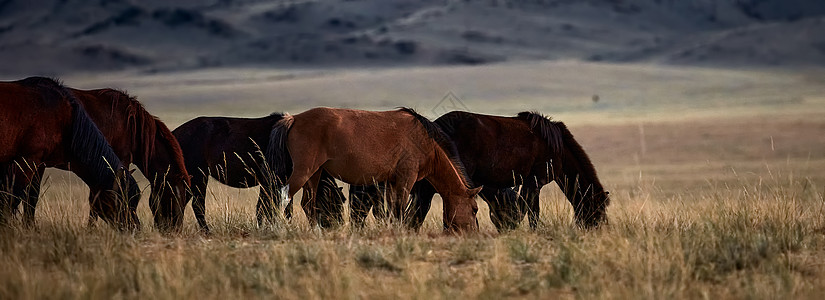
358 171
238 170
501 175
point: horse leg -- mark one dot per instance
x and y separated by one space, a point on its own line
399 197
265 208
360 202
9 195
422 199
268 200
379 202
30 192
198 190
304 168
330 202
496 207
378 198
532 201
93 215
309 199
505 209
6 208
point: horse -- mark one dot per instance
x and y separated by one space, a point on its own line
42 124
138 137
228 149
359 147
528 150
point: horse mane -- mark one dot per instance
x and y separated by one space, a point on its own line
559 138
548 129
443 141
144 129
87 145
177 153
141 125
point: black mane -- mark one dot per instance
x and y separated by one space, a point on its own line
560 138
443 141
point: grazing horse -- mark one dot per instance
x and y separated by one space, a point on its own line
361 147
42 124
228 149
137 136
528 150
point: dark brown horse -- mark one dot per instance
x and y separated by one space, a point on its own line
361 147
42 124
228 149
138 137
527 150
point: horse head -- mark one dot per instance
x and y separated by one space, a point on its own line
460 211
118 205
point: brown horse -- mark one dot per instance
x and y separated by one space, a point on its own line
138 137
361 147
42 125
228 149
528 150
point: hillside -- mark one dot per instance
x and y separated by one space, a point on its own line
65 36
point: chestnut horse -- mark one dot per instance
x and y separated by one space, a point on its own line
137 136
361 147
528 150
42 125
227 149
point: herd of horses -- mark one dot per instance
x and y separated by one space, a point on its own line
395 161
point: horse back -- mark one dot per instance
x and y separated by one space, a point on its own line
494 148
33 123
357 145
333 126
207 142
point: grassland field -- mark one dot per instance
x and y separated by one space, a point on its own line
716 176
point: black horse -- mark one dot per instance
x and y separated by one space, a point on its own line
229 150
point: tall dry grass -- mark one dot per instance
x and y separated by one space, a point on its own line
757 235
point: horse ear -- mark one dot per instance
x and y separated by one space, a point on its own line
475 191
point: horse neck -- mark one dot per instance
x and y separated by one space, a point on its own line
445 177
577 177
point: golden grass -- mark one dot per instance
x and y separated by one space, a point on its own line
762 238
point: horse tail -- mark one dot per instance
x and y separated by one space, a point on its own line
277 154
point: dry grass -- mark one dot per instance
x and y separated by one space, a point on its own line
738 224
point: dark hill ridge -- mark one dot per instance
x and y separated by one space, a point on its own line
60 36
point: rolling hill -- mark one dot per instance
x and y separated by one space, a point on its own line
56 37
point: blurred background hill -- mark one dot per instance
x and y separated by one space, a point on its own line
56 37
